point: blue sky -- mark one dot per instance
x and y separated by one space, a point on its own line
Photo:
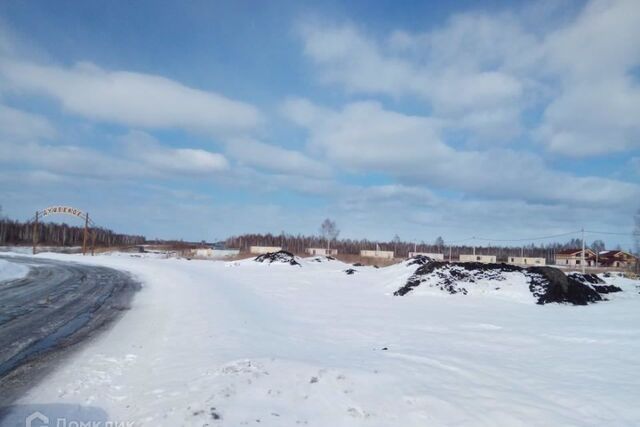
203 119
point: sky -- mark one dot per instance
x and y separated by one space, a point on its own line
205 119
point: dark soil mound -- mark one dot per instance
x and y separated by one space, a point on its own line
280 257
606 289
451 275
593 281
418 260
586 278
547 284
323 258
350 271
357 264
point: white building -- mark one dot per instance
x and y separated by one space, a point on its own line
376 254
438 257
478 258
517 260
215 253
321 251
259 250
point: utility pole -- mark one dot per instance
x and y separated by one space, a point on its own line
35 233
583 266
449 253
86 230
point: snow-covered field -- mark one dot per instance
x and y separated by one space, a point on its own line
12 271
244 343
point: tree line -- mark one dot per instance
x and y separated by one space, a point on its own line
54 234
298 244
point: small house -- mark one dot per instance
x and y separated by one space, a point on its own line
478 258
573 257
321 251
259 250
616 259
376 254
437 257
517 260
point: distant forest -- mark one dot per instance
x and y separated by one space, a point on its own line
297 244
52 234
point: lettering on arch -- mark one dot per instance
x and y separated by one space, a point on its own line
65 210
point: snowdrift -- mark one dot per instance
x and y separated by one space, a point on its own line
544 284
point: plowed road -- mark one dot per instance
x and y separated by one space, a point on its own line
56 305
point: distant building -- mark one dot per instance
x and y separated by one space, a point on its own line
258 250
618 259
517 260
214 253
573 257
478 258
376 254
439 257
321 251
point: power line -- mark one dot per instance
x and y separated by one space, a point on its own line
612 233
459 241
529 238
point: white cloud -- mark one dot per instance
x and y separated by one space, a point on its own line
131 99
20 125
276 159
482 71
364 137
142 148
460 71
385 197
141 156
598 100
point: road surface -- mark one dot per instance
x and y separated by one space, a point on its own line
56 305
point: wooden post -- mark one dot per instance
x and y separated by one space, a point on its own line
86 230
93 242
35 233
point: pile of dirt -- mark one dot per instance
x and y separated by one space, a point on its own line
322 258
593 281
451 277
350 271
280 257
547 284
418 260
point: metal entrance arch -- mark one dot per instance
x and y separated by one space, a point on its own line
66 210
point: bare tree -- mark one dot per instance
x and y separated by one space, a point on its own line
396 242
598 246
439 242
329 231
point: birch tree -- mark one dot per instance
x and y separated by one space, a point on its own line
329 231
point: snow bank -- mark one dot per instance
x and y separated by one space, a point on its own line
12 271
207 344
